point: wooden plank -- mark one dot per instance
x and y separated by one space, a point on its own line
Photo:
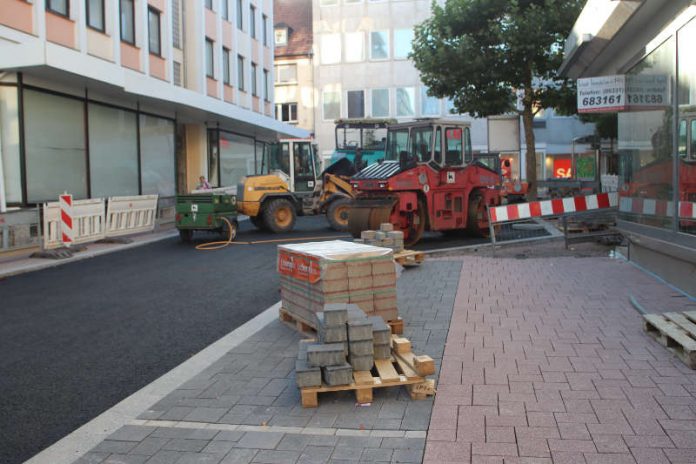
363 395
401 345
408 371
363 378
672 331
690 315
386 371
682 322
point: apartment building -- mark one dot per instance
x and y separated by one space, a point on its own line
120 97
294 70
361 69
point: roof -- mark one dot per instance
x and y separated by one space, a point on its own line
296 15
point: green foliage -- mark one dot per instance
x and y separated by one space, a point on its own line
479 52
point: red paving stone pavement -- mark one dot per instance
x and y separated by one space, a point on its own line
546 361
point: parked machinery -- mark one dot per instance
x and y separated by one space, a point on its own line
290 185
428 181
364 136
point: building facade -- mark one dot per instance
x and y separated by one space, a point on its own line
294 72
361 69
640 42
128 97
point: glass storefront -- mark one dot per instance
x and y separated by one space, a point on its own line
157 163
9 144
687 127
237 158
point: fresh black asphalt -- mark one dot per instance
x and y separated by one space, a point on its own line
78 338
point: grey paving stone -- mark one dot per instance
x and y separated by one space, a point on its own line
400 443
164 457
407 455
376 454
359 442
346 453
125 459
239 456
200 458
276 457
92 457
206 414
149 446
182 444
176 413
180 432
131 433
315 455
260 440
220 447
110 446
229 435
293 442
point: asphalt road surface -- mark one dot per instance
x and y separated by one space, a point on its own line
77 339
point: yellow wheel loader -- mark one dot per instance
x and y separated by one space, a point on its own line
290 185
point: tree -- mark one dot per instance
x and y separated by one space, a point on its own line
485 54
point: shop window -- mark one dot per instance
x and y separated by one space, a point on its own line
153 23
157 156
127 20
405 98
356 103
9 144
330 48
55 151
113 151
237 158
380 103
286 112
402 43
379 45
331 105
95 14
687 99
355 46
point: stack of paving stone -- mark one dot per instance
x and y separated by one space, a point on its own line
348 340
319 273
385 237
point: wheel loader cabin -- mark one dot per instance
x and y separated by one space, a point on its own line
428 181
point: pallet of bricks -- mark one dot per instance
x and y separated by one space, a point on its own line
387 237
358 353
319 273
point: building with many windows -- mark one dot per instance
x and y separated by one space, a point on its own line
361 69
121 97
294 73
647 46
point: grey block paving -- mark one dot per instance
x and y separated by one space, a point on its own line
254 384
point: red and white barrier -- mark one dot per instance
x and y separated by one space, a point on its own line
653 207
66 219
555 207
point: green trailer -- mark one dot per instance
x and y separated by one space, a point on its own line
206 211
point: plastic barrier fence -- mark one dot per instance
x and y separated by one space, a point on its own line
88 219
131 215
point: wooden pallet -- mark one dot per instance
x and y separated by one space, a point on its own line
385 373
309 328
676 331
409 258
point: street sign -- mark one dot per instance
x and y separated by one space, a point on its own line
608 94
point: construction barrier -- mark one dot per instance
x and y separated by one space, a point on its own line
66 219
131 215
88 219
524 220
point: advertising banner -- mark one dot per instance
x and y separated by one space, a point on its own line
608 94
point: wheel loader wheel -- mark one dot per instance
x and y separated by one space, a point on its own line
337 214
477 218
257 221
279 216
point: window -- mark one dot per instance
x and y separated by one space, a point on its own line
280 36
330 48
286 73
264 21
422 143
128 21
379 45
176 24
153 26
405 101
430 106
332 105
453 142
226 65
225 9
437 152
254 90
209 4
402 42
209 59
356 104
355 47
328 2
380 103
240 20
252 21
240 72
266 86
286 112
61 7
95 14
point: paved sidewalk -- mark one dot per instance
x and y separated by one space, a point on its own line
546 361
245 407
